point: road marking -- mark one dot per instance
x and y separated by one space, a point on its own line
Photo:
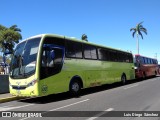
69 105
131 86
60 108
6 106
10 108
100 114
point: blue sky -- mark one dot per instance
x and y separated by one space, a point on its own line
106 22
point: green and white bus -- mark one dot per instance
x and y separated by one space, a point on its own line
49 64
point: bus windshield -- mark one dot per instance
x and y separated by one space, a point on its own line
24 58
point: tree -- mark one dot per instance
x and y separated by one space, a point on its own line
84 37
137 30
9 37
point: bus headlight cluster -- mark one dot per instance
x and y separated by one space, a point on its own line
33 82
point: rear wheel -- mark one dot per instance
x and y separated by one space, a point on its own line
123 79
75 88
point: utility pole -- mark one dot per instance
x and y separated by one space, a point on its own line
156 55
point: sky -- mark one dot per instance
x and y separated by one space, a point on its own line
105 22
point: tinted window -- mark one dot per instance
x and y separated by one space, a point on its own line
151 61
73 49
103 54
142 60
113 55
148 60
155 61
122 57
55 41
119 56
52 56
130 58
24 59
90 52
145 60
51 64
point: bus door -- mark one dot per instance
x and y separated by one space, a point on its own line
51 60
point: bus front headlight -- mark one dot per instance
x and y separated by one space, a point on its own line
32 83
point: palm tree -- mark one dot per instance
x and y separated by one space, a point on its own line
84 37
14 28
137 30
9 37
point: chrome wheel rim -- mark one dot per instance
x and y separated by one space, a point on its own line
75 87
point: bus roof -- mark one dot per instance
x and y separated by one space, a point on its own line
72 39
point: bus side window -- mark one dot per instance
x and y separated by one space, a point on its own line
47 61
103 54
90 52
73 49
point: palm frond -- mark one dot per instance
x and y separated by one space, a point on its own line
140 26
144 30
139 32
134 29
14 27
133 33
2 27
140 23
84 37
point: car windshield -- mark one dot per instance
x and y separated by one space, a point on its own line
24 59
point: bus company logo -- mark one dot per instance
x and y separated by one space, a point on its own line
18 87
44 88
18 83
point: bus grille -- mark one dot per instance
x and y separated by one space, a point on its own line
18 87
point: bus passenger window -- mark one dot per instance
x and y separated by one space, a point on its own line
51 61
90 52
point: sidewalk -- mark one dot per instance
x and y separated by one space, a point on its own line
6 97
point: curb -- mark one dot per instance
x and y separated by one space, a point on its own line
7 99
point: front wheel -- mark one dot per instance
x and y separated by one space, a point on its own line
75 88
144 75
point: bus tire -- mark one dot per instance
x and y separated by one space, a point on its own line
123 79
75 88
144 75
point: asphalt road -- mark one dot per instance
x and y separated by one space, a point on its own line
123 102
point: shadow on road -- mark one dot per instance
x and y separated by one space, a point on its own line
66 95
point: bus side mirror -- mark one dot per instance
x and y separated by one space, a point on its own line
52 54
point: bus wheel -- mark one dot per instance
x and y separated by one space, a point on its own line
144 75
75 88
123 79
